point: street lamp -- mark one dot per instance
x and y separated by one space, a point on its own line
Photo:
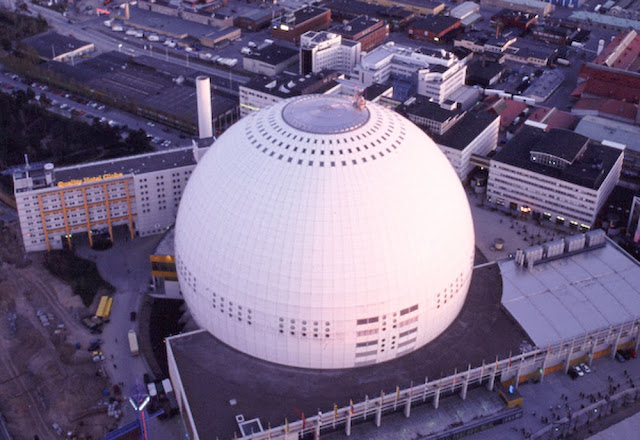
139 400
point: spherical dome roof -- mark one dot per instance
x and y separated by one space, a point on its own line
320 232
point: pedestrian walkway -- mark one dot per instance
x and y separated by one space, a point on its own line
545 404
491 225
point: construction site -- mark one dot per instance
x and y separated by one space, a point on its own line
54 382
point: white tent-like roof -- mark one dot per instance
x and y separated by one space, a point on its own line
565 298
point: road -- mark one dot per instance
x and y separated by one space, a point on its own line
126 266
105 40
122 118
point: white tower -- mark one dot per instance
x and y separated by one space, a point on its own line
203 92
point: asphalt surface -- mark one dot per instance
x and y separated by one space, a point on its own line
109 113
214 373
126 266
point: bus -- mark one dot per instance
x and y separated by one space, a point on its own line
133 343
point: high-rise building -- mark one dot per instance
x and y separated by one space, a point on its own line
327 50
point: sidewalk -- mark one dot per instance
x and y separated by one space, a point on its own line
490 225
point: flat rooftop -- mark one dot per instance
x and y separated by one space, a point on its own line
301 15
574 295
143 163
51 44
589 170
166 244
353 7
147 81
424 108
466 130
435 23
287 86
273 54
598 128
357 25
168 25
213 373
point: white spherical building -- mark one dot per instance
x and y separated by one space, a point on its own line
320 233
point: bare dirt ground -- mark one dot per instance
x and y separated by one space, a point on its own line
44 379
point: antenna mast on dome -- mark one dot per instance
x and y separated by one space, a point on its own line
358 99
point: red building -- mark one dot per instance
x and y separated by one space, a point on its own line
291 25
601 81
370 32
432 28
507 18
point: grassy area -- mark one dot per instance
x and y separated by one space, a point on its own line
81 274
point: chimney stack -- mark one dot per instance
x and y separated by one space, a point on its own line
203 92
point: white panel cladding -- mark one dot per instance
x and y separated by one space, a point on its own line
329 250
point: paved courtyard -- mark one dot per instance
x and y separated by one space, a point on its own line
515 233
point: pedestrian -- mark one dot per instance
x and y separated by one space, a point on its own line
116 340
115 366
111 356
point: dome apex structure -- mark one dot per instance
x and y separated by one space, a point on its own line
321 233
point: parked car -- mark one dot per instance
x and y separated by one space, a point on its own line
578 370
132 316
619 357
585 368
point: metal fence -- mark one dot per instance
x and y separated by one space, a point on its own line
532 365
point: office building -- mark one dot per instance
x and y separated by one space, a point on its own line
326 50
556 176
437 74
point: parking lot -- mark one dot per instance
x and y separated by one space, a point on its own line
69 105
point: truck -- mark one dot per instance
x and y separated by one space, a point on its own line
166 385
229 62
133 343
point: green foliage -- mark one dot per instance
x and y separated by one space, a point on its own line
14 27
26 127
81 274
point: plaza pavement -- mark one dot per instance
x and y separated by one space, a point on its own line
126 266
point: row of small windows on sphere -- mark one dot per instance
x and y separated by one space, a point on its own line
454 288
265 141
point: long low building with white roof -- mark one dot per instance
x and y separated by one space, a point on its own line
573 293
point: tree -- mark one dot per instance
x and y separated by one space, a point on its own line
45 101
137 142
